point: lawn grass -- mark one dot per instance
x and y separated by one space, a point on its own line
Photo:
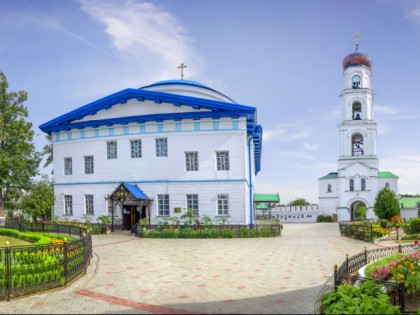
13 241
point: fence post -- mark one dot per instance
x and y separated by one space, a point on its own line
335 276
402 296
8 270
399 247
366 256
347 263
65 247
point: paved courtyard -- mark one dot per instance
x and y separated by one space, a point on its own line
129 275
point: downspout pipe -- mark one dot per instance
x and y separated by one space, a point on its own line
251 217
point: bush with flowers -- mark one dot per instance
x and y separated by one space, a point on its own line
405 269
396 221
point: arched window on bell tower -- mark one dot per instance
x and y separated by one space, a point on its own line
357 145
363 184
357 111
351 184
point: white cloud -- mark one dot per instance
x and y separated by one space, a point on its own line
147 34
406 165
393 113
415 14
297 155
310 147
286 133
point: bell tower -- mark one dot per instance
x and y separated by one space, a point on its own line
349 192
357 131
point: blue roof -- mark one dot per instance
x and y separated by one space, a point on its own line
136 191
221 109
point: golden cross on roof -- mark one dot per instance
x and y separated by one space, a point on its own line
356 39
182 66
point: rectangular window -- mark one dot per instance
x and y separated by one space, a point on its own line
68 205
191 161
89 164
192 203
161 147
222 158
68 166
163 204
223 204
135 149
89 204
111 150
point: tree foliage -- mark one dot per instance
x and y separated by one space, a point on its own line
299 202
47 151
39 198
19 160
386 204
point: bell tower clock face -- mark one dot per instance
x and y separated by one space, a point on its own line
356 81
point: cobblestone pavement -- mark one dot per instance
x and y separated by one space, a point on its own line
130 275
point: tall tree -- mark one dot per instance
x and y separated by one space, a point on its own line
47 151
299 202
19 160
386 204
38 199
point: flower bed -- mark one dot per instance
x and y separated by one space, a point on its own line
404 268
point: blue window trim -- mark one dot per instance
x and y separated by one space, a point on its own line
152 182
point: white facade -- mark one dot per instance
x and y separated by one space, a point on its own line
296 214
358 179
210 147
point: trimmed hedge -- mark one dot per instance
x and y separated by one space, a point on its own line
324 218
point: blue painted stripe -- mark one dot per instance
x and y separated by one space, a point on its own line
143 131
155 181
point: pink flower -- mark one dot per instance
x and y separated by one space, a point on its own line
416 242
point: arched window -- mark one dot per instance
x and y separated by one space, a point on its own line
329 188
363 184
351 182
357 111
357 145
387 185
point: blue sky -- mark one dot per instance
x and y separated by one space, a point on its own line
282 56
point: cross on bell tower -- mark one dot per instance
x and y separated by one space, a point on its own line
182 66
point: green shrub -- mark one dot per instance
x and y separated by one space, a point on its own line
415 226
366 298
383 223
324 218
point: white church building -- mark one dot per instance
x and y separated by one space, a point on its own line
358 178
154 152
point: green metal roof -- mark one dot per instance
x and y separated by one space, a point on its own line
262 206
266 198
386 175
330 176
409 201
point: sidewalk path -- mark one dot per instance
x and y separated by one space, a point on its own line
130 275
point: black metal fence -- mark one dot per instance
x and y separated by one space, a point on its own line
346 273
206 231
33 268
366 232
